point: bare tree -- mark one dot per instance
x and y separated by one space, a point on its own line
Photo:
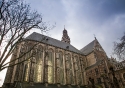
16 19
119 48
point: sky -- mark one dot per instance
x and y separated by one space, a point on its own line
83 19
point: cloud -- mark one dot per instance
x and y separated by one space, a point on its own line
104 18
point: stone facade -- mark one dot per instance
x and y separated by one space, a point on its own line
96 66
119 71
53 63
91 60
49 65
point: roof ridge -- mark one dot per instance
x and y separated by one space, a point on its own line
87 44
50 37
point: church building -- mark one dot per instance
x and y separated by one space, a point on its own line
46 62
56 63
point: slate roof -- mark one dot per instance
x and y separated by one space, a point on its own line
88 48
51 41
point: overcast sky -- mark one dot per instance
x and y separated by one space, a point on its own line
83 19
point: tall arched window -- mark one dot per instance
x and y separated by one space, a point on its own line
68 69
39 62
59 68
27 65
77 70
50 66
26 74
21 66
32 69
82 66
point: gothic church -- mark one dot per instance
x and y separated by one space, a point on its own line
56 64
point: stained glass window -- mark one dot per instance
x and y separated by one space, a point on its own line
59 69
77 70
27 68
68 69
39 62
50 66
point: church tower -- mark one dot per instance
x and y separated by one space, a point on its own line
65 37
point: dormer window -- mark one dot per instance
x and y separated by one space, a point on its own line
67 47
47 39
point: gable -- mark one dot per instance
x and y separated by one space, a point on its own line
97 46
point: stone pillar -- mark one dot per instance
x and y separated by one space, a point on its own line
43 66
54 66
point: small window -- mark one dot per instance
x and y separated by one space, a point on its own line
67 47
105 70
96 71
99 80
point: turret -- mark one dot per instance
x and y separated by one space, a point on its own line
65 37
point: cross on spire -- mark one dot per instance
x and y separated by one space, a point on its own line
94 36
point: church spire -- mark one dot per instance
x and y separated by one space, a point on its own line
65 37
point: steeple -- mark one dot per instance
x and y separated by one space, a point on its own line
65 37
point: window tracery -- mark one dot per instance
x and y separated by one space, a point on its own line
26 68
50 66
39 62
77 70
69 74
32 68
59 69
